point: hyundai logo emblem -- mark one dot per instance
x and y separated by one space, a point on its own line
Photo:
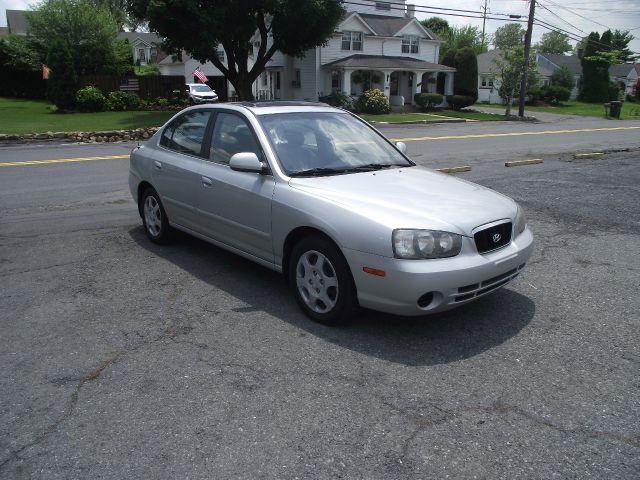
496 237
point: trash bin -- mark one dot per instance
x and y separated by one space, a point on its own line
616 107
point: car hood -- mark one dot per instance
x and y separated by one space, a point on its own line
204 94
414 197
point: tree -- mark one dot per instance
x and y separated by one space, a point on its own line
87 31
563 77
437 25
456 38
20 54
466 77
510 68
62 83
509 36
595 69
553 42
199 28
620 41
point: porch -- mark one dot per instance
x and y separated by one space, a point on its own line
400 78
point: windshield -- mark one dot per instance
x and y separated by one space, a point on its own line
200 88
328 143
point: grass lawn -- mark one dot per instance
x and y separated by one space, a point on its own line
629 110
433 117
34 116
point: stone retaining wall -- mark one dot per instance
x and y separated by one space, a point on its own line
85 137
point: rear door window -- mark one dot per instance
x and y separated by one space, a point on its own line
186 133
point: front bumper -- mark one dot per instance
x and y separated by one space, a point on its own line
203 99
450 281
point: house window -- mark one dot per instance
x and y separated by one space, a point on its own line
154 55
142 55
546 82
491 82
483 81
335 79
297 82
410 44
352 41
220 55
383 6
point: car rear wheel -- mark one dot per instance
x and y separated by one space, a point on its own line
154 218
321 281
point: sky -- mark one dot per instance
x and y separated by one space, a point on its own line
571 15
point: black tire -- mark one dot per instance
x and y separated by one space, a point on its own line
158 231
312 285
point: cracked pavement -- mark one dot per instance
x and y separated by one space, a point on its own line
122 359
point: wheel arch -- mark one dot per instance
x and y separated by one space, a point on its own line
142 186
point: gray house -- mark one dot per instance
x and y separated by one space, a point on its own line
549 62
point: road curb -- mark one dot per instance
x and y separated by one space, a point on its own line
465 168
586 156
517 163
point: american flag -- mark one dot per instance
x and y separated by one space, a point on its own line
201 76
130 84
46 71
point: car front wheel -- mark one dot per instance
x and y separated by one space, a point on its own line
321 281
154 218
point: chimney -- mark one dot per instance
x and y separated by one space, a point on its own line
411 11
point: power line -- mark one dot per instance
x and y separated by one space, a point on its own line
558 16
577 14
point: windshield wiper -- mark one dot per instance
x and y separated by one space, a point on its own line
375 166
317 172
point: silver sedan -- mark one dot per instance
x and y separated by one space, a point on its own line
319 195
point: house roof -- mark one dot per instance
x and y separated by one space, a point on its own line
17 22
570 61
387 62
389 26
486 61
148 38
624 69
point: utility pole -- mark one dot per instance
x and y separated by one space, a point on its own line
527 49
484 19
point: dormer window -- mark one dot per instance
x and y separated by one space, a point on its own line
352 41
385 6
410 44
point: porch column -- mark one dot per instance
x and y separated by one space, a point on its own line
346 81
417 85
387 82
448 84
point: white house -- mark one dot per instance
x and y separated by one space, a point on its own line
377 45
146 47
550 62
626 76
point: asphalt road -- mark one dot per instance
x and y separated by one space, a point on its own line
122 359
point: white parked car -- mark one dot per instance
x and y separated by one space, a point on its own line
316 193
201 93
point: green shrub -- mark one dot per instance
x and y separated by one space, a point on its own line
90 99
374 102
614 92
555 94
427 101
62 83
338 99
457 102
162 102
120 101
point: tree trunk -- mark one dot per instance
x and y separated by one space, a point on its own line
509 100
243 86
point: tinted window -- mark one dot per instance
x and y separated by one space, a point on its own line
231 135
186 133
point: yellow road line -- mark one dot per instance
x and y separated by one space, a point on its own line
514 134
60 160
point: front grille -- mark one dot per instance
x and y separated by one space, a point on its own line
493 238
475 290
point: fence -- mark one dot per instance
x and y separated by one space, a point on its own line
148 86
16 83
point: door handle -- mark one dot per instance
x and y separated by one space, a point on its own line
157 165
207 182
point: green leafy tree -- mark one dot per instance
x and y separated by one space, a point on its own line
63 83
199 28
87 30
509 36
465 81
122 63
509 74
20 53
553 42
563 77
620 41
456 38
595 68
437 25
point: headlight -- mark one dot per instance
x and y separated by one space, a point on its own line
521 221
419 244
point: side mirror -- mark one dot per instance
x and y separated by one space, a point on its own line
402 147
246 162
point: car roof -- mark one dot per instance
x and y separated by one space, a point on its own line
271 107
